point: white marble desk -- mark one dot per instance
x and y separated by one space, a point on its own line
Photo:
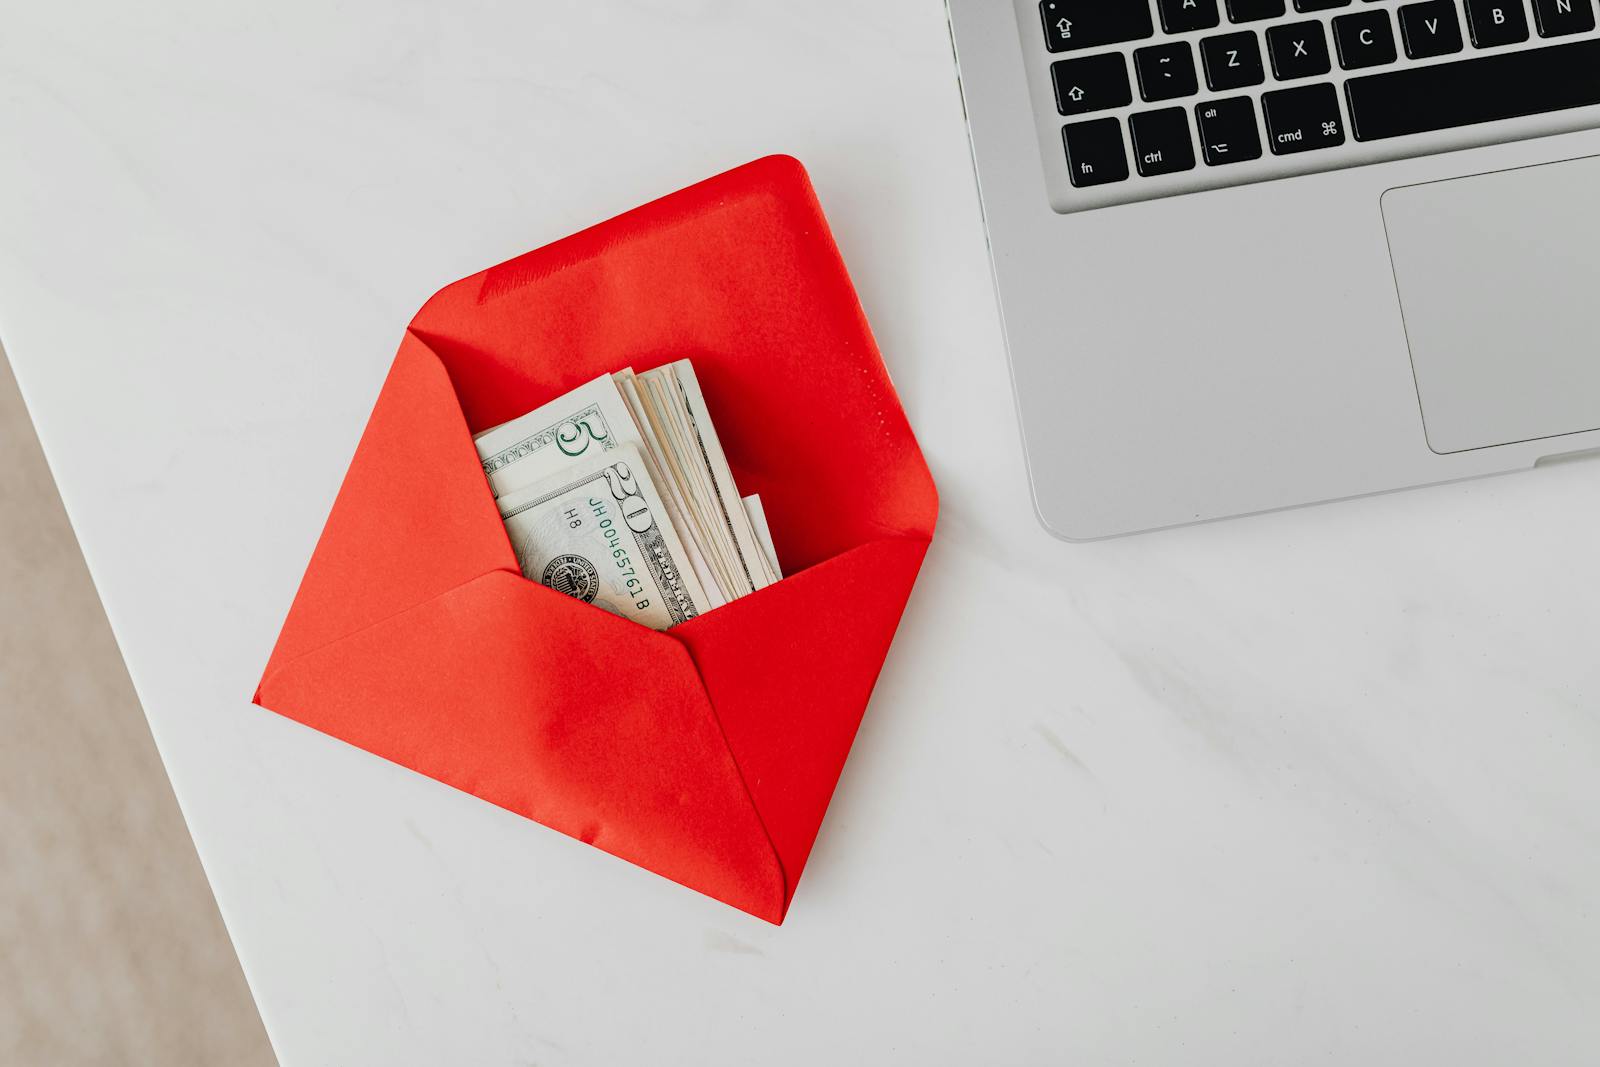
1312 788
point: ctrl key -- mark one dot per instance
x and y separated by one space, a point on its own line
1161 143
1095 154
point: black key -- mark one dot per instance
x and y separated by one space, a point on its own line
1557 18
1496 22
1092 83
1298 50
1303 119
1233 61
1430 29
1181 16
1166 71
1095 155
1443 96
1303 6
1365 39
1161 143
1228 131
1073 24
1249 10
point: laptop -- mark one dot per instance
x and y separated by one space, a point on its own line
1253 254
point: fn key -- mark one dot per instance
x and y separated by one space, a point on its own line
1095 155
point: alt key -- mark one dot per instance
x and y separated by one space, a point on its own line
1228 131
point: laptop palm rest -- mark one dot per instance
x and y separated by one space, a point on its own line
1499 283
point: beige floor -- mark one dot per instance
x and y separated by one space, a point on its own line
111 948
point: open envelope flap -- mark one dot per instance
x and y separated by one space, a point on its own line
740 275
413 519
789 671
587 723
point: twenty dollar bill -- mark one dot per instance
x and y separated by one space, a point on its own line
598 532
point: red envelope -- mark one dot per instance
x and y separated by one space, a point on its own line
707 753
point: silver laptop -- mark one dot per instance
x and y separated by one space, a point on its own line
1253 254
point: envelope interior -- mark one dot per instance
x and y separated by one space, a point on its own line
746 282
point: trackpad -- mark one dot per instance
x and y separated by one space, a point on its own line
1499 278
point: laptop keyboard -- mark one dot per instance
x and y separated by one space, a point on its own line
1150 98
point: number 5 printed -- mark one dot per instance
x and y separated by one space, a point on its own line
575 435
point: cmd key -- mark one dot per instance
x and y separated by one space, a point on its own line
1303 119
1073 24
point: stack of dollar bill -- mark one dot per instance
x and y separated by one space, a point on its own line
619 494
